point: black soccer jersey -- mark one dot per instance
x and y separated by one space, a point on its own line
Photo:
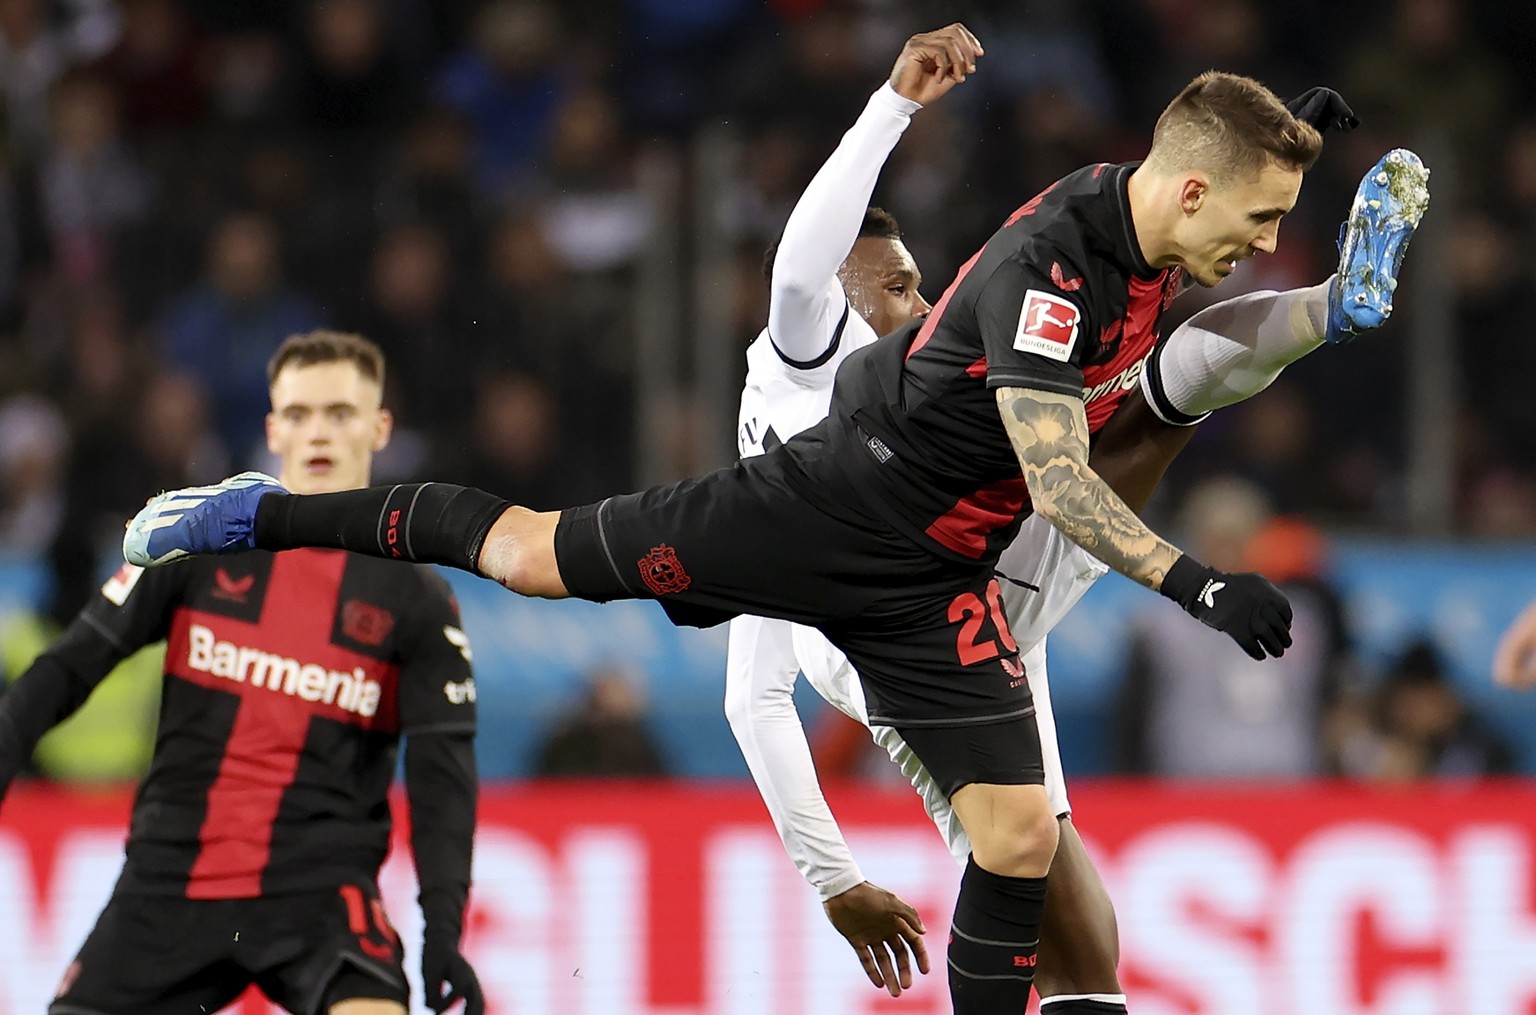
1059 299
289 679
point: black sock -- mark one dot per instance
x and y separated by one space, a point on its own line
992 942
1084 1004
433 523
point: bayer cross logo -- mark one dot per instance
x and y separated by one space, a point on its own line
662 572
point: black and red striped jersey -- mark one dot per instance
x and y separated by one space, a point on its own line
289 680
1059 299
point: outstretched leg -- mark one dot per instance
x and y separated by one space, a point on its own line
430 523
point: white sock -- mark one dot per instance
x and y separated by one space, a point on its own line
1234 350
1083 1004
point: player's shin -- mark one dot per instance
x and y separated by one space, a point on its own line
1079 937
431 523
993 941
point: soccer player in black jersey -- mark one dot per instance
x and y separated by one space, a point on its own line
290 678
882 526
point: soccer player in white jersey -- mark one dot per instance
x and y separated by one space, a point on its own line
840 277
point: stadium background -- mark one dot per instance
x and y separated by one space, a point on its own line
552 217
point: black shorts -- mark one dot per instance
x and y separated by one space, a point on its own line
155 954
1001 753
778 536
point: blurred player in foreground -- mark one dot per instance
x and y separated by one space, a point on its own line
290 678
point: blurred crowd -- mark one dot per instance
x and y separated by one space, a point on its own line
474 185
182 184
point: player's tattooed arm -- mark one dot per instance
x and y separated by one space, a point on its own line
1049 432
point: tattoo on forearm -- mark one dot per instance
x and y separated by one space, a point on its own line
1049 433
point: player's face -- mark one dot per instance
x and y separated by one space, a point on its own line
325 425
1227 223
881 281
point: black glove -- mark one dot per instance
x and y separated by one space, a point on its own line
1323 108
441 961
1245 606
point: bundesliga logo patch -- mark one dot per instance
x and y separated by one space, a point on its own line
1047 326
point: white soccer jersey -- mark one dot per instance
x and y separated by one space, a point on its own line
790 367
780 400
811 328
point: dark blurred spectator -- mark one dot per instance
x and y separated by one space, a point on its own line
1427 76
519 449
774 171
1196 35
224 328
36 50
508 84
1519 179
594 216
1415 726
604 735
672 79
165 441
160 68
34 443
1193 704
429 179
925 178
423 329
351 85
12 220
575 334
250 69
816 72
515 444
90 187
1496 432
87 355
1268 441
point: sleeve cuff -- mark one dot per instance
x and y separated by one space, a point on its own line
825 355
1055 385
850 878
1157 398
887 98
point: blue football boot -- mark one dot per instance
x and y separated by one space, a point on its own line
1388 207
198 519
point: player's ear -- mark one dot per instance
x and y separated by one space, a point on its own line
1193 192
383 428
270 419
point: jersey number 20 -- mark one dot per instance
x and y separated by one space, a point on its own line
971 613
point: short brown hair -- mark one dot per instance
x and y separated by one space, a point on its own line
322 346
1230 126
